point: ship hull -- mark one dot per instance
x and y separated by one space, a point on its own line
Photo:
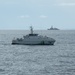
33 39
34 43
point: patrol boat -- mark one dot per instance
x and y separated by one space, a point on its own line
33 39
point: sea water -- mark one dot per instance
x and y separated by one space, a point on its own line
38 60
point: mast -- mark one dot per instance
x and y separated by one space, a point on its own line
31 29
52 27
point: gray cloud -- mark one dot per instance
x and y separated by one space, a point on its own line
43 16
24 16
67 4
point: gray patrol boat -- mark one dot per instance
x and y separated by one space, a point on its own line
33 39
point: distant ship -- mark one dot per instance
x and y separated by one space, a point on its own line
33 39
52 28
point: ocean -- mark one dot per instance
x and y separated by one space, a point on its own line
58 59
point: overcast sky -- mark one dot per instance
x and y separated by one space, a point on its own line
41 14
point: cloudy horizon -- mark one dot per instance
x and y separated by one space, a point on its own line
42 14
